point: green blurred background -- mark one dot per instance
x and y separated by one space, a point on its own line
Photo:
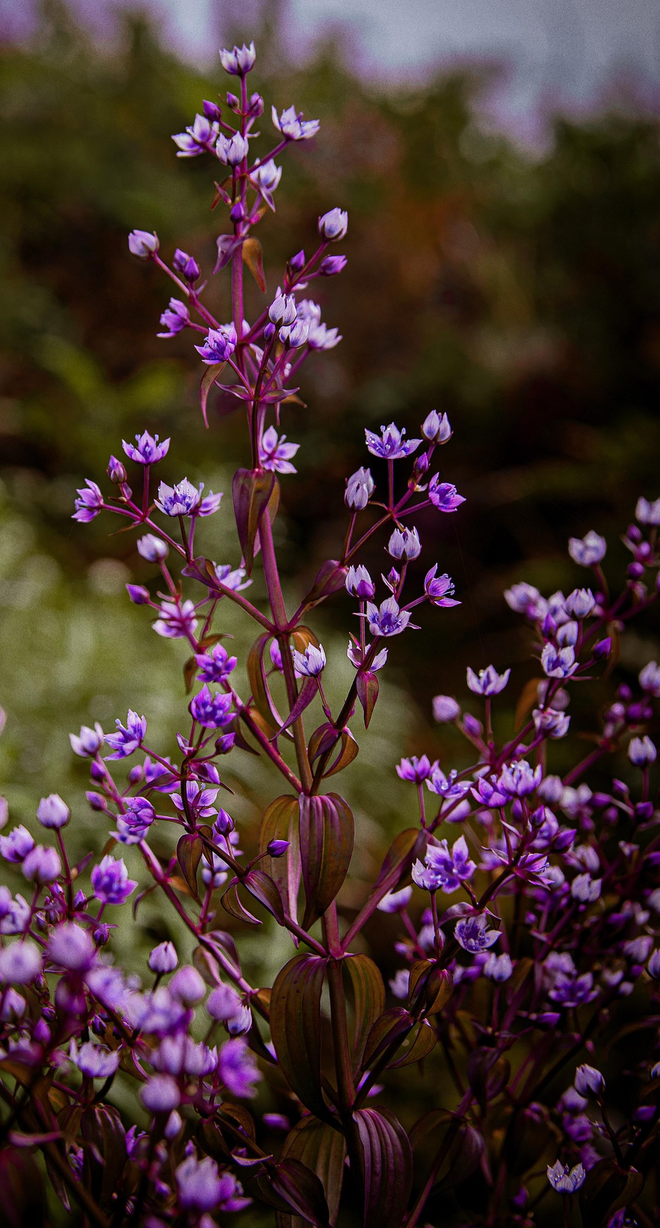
517 290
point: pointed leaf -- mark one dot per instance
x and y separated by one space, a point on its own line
403 851
280 822
105 1155
393 1025
348 751
330 578
261 695
327 832
253 258
306 694
232 904
368 687
262 887
295 1023
416 1046
323 1150
188 854
251 489
208 380
22 1189
292 1186
369 996
386 1161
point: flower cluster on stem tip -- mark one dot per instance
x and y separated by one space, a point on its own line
509 930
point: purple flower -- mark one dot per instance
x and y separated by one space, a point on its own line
185 264
187 986
487 681
588 1081
359 489
359 583
237 1068
445 708
498 968
148 450
111 882
331 265
177 620
558 662
588 550
197 139
653 965
563 1180
219 345
215 665
160 1094
199 801
444 495
649 678
163 958
231 150
266 179
138 816
238 61
283 310
231 578
444 868
294 335
138 594
642 751
142 243
390 444
223 1003
129 737
94 1060
647 512
212 711
436 428
519 779
416 770
548 721
334 224
386 619
473 935
404 544
526 599
42 865
395 901
53 812
311 662
89 502
152 548
71 947
357 657
20 963
180 500
439 590
174 318
275 454
292 125
88 742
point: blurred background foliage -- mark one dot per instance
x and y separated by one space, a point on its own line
518 291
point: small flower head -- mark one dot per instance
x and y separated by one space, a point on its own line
334 224
565 1180
237 1068
387 619
439 589
210 710
129 737
187 986
395 901
238 61
53 812
163 958
197 139
292 125
88 741
223 1003
219 345
94 1060
443 495
642 752
143 244
180 500
498 968
359 583
445 869
445 709
436 428
215 665
146 450
588 1081
16 846
311 662
111 882
20 963
648 512
473 935
231 150
558 662
487 681
70 946
177 620
89 502
391 444
152 548
283 309
588 550
160 1094
186 265
42 865
359 489
580 603
275 454
404 544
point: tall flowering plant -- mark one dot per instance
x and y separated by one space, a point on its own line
523 907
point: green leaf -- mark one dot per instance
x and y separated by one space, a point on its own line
327 833
231 903
417 1045
347 753
262 887
295 1024
369 996
386 1162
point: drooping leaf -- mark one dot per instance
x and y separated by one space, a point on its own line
368 687
188 854
261 695
323 1150
394 1025
386 1162
464 1153
327 832
488 1073
369 997
416 1046
347 753
280 822
253 258
251 489
231 903
262 887
105 1152
306 694
606 1189
295 1023
208 380
292 1186
403 851
329 579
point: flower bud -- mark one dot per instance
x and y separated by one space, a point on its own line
297 262
331 265
642 751
436 428
333 225
160 1094
163 958
138 594
53 812
143 244
152 548
588 1080
20 963
212 111
172 1126
445 708
116 471
187 986
603 648
223 1003
359 489
653 965
282 309
277 848
255 106
42 865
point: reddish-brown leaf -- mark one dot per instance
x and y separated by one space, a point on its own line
188 854
323 1150
295 1024
327 832
253 258
369 998
367 692
280 822
208 380
251 489
386 1161
261 695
